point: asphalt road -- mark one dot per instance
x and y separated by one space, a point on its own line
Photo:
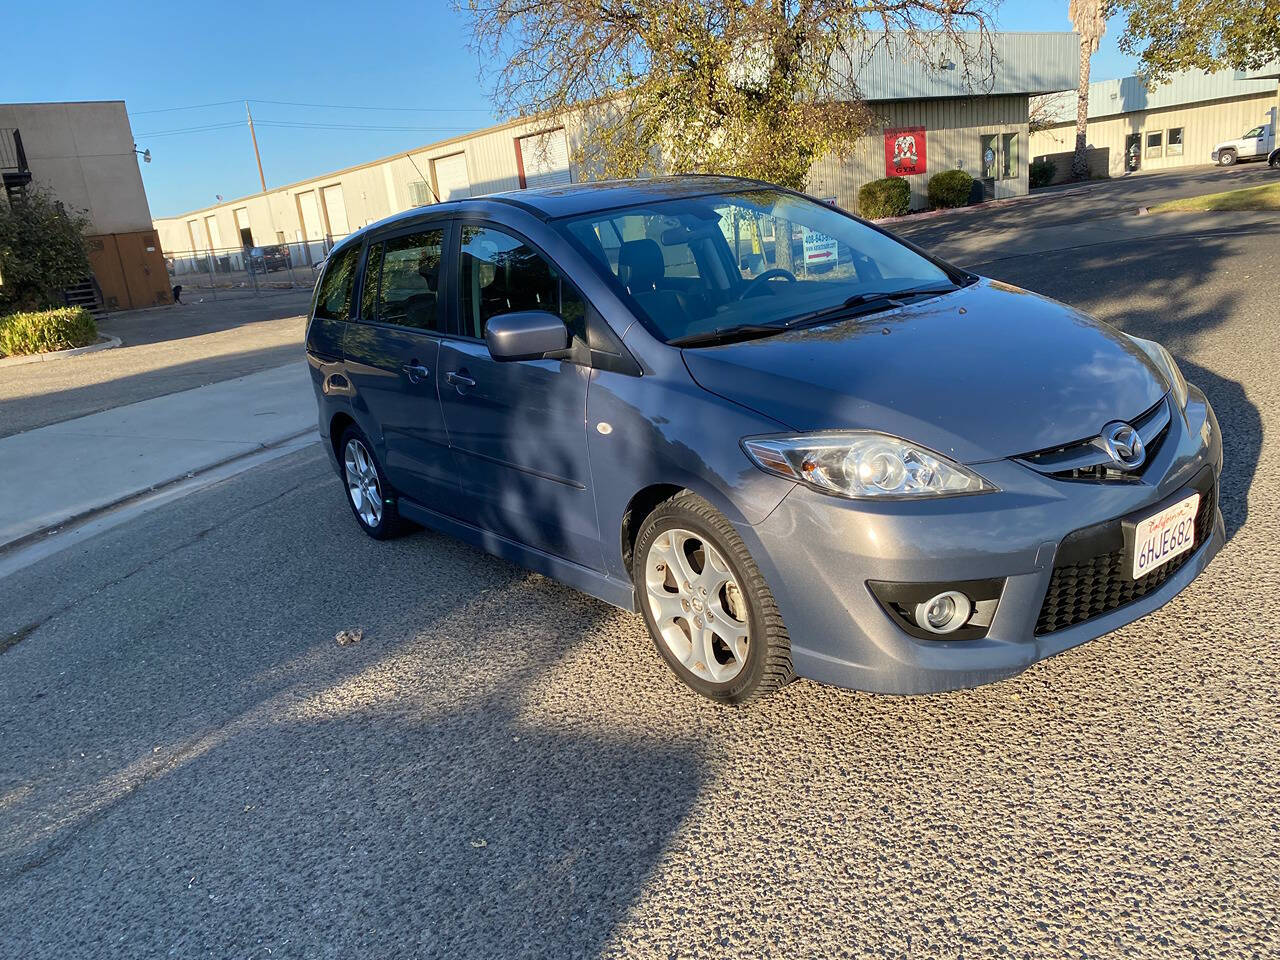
1070 203
501 767
164 350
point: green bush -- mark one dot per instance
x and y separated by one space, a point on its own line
950 188
42 252
45 330
886 197
1041 171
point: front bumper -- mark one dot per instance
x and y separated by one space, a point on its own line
818 553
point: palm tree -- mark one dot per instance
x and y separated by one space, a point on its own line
1089 17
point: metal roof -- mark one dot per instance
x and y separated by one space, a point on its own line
1025 63
1108 98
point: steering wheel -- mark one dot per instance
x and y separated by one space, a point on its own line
754 283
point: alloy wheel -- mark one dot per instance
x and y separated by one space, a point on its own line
362 483
697 605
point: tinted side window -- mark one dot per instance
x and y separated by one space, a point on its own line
369 285
333 300
501 274
410 288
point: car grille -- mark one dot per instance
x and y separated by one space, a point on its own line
1086 460
1084 587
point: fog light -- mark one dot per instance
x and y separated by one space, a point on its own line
944 613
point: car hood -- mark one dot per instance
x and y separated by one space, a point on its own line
987 372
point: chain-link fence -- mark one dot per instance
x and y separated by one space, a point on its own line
248 271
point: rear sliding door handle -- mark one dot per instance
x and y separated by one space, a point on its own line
416 372
459 380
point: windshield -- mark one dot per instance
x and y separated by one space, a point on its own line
714 264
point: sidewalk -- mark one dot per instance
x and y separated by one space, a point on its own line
68 470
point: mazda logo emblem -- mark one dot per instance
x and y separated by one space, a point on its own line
1123 445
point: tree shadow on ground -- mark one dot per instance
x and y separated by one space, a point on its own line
246 786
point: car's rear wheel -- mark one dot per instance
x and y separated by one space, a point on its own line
369 496
706 604
1226 158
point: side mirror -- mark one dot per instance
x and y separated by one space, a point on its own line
525 335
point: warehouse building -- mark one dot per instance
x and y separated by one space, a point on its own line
1177 124
82 154
932 115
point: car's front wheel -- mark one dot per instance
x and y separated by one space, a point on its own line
706 604
368 494
1226 158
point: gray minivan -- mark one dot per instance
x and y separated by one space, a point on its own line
797 445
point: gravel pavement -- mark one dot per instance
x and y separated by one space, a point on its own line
501 767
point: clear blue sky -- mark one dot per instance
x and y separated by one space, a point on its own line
411 56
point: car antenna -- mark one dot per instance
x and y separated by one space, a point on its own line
409 157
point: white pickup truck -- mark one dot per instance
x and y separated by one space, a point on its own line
1256 144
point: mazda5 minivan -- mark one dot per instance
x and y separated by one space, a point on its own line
795 444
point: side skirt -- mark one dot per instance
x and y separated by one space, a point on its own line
591 582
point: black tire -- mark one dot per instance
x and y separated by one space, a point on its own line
1227 158
388 524
767 666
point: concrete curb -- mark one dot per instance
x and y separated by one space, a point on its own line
96 510
107 344
989 205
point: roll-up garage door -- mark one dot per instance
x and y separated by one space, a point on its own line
451 177
336 206
544 157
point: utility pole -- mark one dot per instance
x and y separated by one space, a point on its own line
271 217
254 137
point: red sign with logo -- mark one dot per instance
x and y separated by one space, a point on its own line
904 151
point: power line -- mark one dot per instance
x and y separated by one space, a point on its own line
318 106
198 129
193 106
301 125
341 106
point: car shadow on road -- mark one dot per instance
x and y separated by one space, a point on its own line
1172 291
430 791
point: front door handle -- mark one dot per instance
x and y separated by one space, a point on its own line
416 372
459 379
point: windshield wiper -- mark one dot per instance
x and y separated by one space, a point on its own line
856 305
747 331
869 302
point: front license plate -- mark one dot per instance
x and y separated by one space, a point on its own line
1163 536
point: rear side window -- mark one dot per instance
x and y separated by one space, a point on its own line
333 300
410 284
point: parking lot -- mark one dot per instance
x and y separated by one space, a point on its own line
502 767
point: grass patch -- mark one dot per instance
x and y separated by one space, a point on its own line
41 331
1266 197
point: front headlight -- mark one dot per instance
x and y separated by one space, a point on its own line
863 465
1163 359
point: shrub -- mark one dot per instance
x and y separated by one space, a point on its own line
1041 171
886 197
45 330
951 188
42 252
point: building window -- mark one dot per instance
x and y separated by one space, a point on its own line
999 156
1174 148
1155 144
1009 156
420 193
990 157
